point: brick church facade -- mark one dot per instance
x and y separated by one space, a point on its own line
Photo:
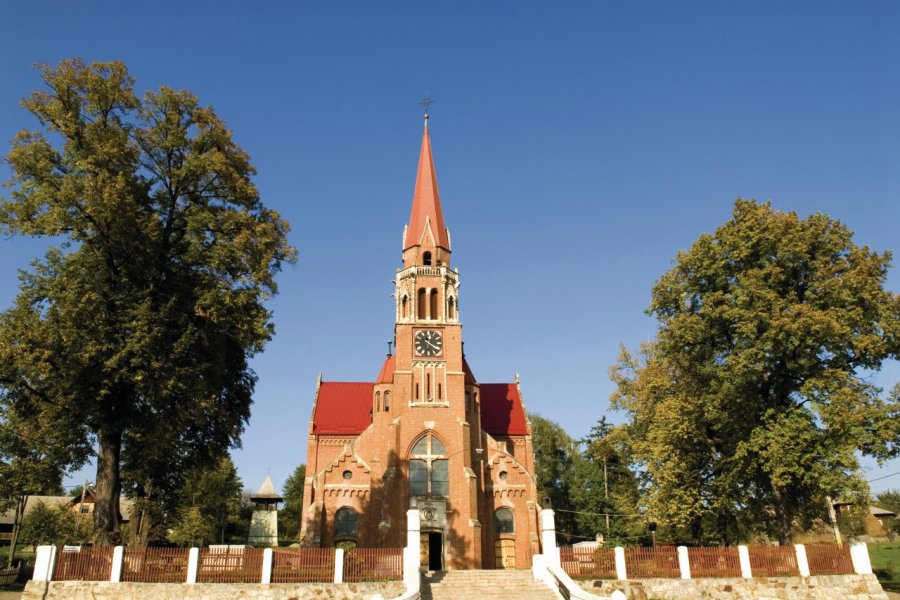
425 432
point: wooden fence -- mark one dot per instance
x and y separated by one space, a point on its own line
591 563
303 565
663 562
373 564
88 563
155 565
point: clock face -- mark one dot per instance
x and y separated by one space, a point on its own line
428 342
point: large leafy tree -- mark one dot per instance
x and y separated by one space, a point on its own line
209 504
289 516
134 334
749 409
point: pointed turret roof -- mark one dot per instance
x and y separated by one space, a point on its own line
426 206
266 492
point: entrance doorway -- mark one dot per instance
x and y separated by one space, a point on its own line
431 550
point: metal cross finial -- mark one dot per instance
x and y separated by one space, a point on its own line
426 102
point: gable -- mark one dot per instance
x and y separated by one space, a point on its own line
501 409
342 408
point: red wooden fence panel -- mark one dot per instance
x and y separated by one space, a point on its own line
155 565
302 565
773 561
373 564
230 564
714 562
827 559
645 563
581 563
83 563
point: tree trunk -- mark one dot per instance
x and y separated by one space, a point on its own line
108 488
783 516
17 526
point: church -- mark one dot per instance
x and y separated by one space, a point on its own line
425 433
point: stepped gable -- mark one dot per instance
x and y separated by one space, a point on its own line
342 408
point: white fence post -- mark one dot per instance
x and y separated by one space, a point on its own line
339 565
684 562
268 556
115 575
744 558
621 571
802 563
548 537
411 551
859 554
44 562
193 565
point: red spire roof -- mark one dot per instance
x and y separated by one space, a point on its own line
426 207
387 370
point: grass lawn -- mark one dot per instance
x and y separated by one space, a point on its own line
886 564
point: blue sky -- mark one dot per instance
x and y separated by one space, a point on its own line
578 147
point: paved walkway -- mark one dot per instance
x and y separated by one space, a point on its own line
10 595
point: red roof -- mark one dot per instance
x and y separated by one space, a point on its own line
501 409
343 408
426 202
387 370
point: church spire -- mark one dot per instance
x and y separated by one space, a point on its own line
426 207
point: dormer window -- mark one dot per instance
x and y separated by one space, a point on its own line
426 259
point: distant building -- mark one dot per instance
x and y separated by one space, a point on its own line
425 432
82 504
264 522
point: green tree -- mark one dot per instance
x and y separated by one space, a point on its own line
45 525
890 500
289 516
749 408
555 456
134 335
209 506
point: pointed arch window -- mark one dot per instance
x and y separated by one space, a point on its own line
387 402
404 307
451 308
433 313
504 522
426 259
378 401
429 471
422 304
346 522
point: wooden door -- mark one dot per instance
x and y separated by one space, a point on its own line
505 554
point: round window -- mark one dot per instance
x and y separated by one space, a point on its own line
348 475
503 475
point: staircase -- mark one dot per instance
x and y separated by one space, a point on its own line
484 585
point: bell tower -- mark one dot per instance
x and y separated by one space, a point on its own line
427 330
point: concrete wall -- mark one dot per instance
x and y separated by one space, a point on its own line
820 587
96 590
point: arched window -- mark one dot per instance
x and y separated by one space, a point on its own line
429 472
503 521
434 304
426 259
451 308
404 307
422 303
377 401
387 401
346 522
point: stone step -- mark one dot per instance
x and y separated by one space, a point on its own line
483 585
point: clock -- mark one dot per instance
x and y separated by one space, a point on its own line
428 342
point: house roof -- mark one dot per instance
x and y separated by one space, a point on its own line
342 408
877 511
125 506
502 412
266 491
426 206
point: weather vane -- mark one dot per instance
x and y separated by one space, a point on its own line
426 102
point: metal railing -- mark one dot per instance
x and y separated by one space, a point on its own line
829 560
773 561
230 564
599 563
652 562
